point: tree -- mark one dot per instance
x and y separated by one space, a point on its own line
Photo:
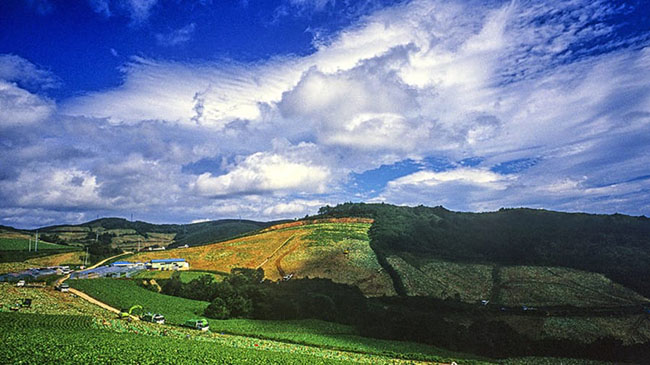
217 309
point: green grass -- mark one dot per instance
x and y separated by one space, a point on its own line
126 293
21 244
46 339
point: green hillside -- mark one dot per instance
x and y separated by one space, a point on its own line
616 246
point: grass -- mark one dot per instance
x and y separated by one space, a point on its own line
126 293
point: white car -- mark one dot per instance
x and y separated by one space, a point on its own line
20 283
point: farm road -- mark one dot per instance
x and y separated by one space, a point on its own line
87 297
275 251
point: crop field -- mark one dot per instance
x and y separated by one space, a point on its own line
50 332
543 286
66 258
333 336
186 276
33 339
126 293
22 244
46 301
128 239
339 251
518 285
630 329
444 279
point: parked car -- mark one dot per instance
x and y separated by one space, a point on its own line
20 283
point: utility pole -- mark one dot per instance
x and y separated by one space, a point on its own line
36 244
29 247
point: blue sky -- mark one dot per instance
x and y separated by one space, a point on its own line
178 111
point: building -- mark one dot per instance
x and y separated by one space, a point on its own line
169 264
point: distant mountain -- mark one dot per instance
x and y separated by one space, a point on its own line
128 234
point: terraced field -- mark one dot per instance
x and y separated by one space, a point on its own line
339 251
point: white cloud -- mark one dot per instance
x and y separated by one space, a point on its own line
469 176
424 78
55 187
177 36
19 107
18 70
264 173
140 9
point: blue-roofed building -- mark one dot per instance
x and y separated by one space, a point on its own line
169 264
123 264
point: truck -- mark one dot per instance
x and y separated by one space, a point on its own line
199 324
153 317
63 287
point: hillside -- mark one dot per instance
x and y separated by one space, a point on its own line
335 249
616 246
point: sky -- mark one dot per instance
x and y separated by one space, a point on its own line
179 111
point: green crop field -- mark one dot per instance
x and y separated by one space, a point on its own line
334 336
22 244
34 339
126 293
516 285
540 286
186 276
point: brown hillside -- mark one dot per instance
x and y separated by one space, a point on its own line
334 249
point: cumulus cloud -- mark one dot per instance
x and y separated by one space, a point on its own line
265 172
63 188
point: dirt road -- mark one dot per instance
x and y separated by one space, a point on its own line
61 280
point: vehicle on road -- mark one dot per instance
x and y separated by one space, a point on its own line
20 283
63 287
199 324
153 317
